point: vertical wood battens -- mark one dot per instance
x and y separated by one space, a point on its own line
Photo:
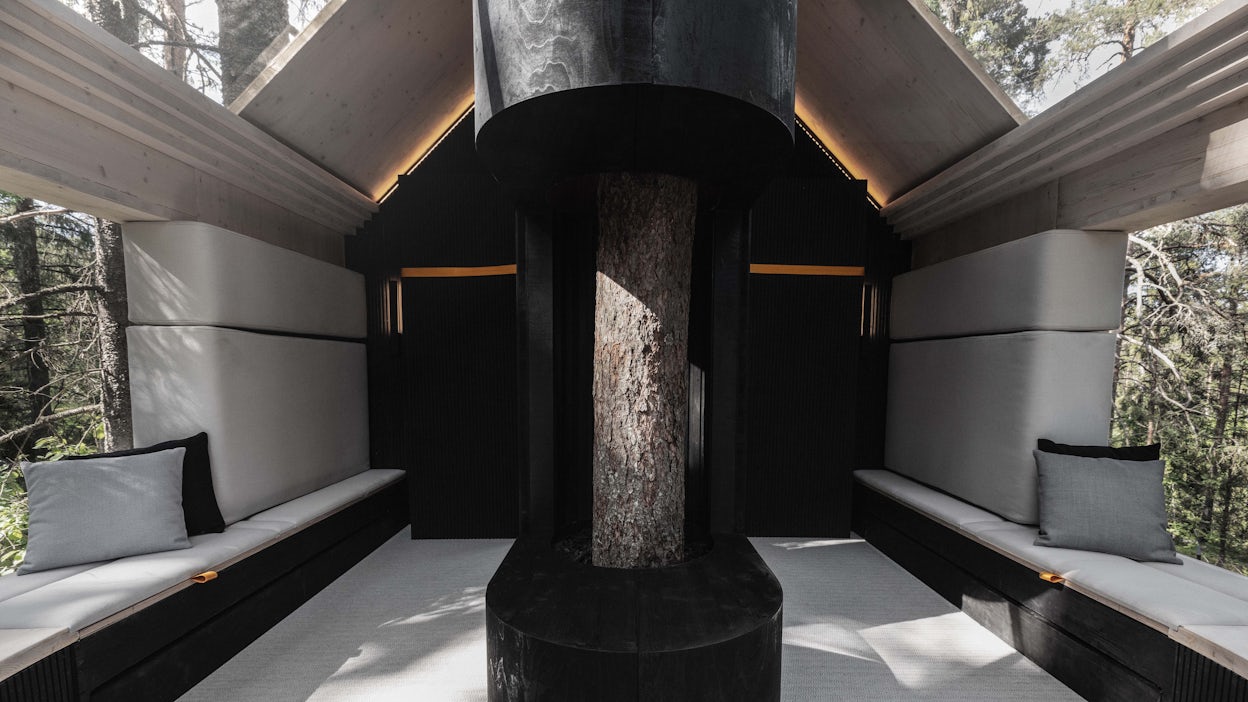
443 400
52 679
804 347
1199 679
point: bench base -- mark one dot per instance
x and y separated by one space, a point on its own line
1099 653
161 651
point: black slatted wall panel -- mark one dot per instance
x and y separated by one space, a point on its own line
1198 679
50 680
443 392
804 358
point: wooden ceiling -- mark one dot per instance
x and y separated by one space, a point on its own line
371 85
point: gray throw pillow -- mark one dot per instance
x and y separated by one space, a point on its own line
1104 504
98 509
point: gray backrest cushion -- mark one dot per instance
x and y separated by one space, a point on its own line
1061 280
284 415
1104 504
103 508
964 414
194 273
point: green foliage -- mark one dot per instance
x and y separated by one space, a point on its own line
1181 374
1122 26
1011 45
13 517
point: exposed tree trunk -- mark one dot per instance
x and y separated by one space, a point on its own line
1218 472
117 17
111 311
641 332
22 238
248 27
1128 41
173 15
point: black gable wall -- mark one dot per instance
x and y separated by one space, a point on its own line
484 395
443 390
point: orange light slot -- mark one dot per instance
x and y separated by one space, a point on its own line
1052 578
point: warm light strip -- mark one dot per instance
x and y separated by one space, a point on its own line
815 127
787 269
422 152
459 272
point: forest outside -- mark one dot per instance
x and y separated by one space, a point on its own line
1183 352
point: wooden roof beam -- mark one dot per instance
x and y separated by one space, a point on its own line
1133 142
90 124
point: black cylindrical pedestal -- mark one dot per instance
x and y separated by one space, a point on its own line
708 629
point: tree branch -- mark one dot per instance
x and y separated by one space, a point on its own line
54 290
9 219
46 420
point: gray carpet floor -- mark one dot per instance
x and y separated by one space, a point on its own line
408 623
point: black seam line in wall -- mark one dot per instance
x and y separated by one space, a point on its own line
950 337
266 332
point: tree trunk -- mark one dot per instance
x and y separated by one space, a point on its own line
22 237
173 14
248 27
117 17
1222 411
111 313
641 331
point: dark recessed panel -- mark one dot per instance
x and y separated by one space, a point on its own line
459 351
803 381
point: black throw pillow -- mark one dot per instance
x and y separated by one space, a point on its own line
199 500
1151 452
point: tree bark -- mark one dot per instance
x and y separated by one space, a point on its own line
641 330
247 28
22 238
173 14
111 309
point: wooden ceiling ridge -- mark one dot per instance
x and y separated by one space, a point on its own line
1196 71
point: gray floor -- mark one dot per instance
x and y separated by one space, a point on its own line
408 623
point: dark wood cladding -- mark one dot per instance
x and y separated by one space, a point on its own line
816 363
443 372
802 389
1198 679
51 679
459 355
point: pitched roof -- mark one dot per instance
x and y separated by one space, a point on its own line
370 86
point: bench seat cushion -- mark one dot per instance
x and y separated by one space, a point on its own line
1164 596
78 596
1209 575
20 648
14 585
941 507
312 507
1160 599
82 599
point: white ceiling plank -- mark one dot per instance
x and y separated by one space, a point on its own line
93 125
1198 70
370 88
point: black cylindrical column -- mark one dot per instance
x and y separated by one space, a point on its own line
697 88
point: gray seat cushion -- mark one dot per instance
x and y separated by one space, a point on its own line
82 599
